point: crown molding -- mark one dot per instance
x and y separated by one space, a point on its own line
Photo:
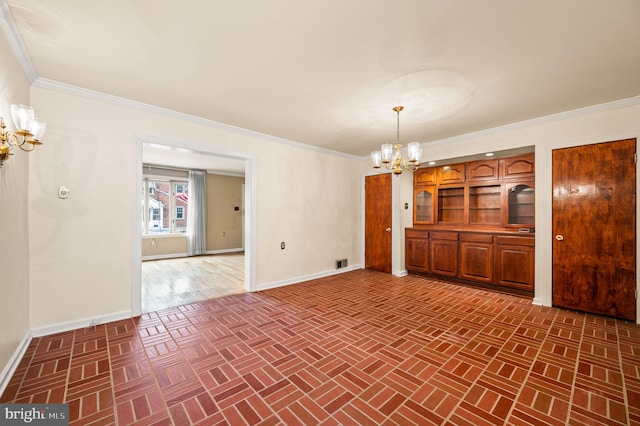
607 106
46 83
14 38
622 103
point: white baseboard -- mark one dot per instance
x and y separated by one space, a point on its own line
74 325
223 251
164 256
307 277
538 301
14 361
177 255
402 273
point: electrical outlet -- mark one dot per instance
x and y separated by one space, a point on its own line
282 245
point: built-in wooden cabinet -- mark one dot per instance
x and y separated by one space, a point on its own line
476 257
443 253
423 207
518 167
485 204
452 173
520 211
417 249
483 170
498 258
474 222
451 205
515 262
425 176
497 193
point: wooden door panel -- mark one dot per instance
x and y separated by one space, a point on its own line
377 221
594 228
476 261
416 254
515 266
483 170
444 257
453 173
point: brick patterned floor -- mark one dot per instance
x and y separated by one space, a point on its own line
358 348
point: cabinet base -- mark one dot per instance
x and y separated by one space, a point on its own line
491 287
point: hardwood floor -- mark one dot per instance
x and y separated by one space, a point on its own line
359 348
169 283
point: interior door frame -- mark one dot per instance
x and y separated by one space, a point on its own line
249 218
397 226
544 211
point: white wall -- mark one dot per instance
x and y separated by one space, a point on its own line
224 223
81 248
14 214
609 122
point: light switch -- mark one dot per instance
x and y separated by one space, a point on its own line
63 192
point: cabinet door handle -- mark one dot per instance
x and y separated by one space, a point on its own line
388 229
559 237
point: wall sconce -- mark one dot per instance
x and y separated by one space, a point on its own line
29 133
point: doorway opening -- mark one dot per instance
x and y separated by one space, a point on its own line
164 276
167 283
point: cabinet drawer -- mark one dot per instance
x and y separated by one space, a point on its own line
451 236
416 233
514 240
477 238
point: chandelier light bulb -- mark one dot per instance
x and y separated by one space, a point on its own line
390 154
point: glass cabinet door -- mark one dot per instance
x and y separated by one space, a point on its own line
521 204
423 206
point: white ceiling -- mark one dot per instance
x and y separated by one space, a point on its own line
328 73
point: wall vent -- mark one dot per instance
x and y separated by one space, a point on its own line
341 263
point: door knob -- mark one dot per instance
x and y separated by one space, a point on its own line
388 229
559 237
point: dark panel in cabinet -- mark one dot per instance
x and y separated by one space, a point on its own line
451 205
484 204
520 211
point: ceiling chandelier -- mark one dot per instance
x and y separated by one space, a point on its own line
390 154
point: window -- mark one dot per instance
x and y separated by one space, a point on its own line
164 206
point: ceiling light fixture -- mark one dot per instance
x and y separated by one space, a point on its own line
393 160
30 131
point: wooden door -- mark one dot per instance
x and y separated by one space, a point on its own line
377 228
443 253
594 228
515 262
476 257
